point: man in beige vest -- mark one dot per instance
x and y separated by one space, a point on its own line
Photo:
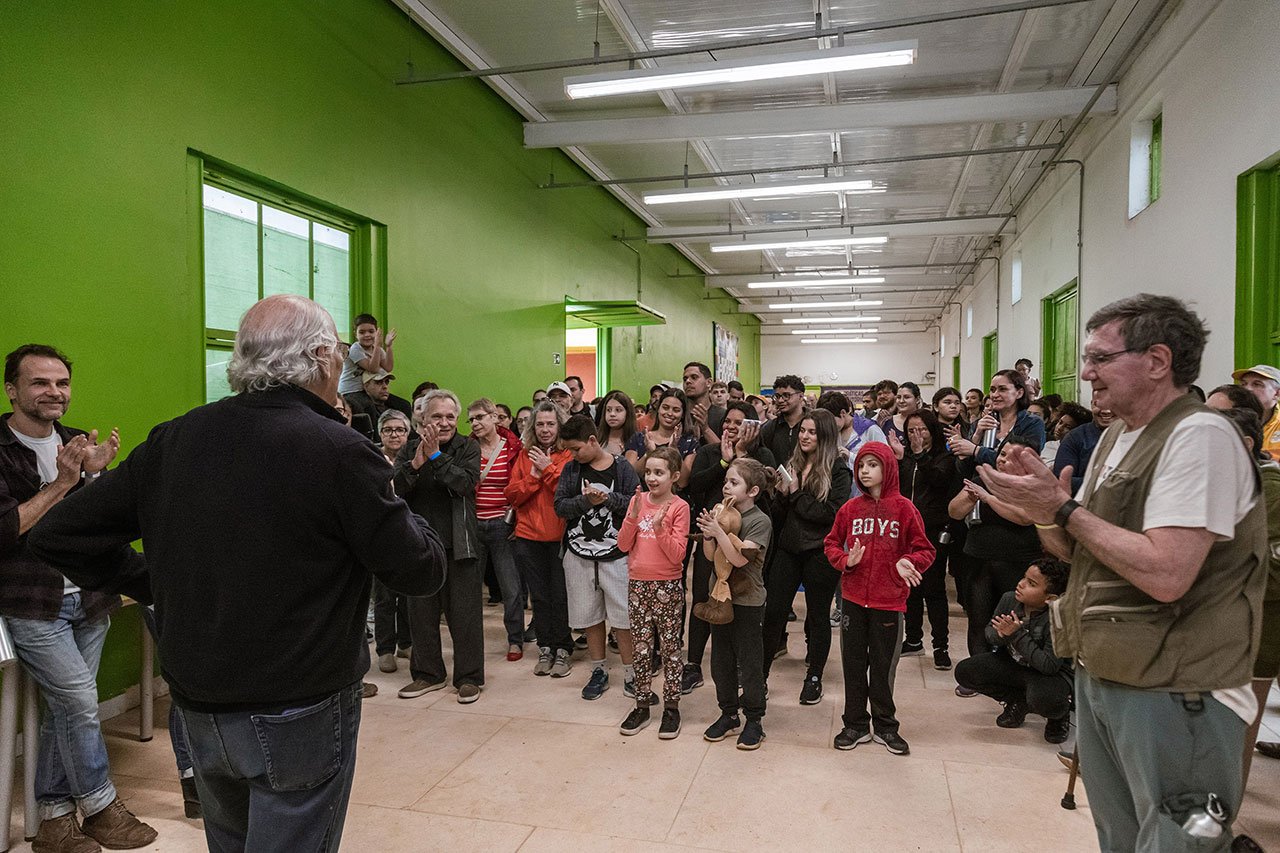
1167 539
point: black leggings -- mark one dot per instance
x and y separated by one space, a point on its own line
786 574
931 594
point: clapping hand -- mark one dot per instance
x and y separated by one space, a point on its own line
908 572
727 450
428 446
699 414
539 460
661 516
71 461
594 496
747 435
391 339
633 511
895 444
709 524
1006 624
856 550
98 456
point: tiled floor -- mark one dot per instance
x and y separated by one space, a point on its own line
532 767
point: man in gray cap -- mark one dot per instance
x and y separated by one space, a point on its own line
1264 381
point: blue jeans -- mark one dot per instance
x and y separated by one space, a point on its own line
177 735
276 782
495 539
62 656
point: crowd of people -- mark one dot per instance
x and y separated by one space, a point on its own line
650 528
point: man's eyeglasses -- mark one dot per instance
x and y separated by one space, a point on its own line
394 431
479 416
1098 359
784 395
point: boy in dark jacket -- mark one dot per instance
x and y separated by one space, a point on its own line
879 545
1023 672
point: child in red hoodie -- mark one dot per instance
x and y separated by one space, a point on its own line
879 544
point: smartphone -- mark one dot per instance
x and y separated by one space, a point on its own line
786 476
751 422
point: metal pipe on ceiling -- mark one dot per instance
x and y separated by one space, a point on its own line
818 32
697 233
816 270
804 167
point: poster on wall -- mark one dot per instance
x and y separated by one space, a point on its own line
726 353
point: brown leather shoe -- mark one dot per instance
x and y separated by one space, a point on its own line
116 828
63 835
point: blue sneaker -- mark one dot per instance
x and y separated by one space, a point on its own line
597 685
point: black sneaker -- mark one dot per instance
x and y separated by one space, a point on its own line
1013 716
721 728
670 727
1056 731
811 693
613 643
910 649
596 685
580 642
690 678
964 692
892 742
752 735
849 738
636 721
791 615
941 660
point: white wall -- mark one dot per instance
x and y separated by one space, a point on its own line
1215 70
898 357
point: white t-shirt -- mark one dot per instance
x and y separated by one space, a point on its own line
349 382
1204 478
46 451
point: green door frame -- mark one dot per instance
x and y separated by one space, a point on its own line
955 372
1258 267
1060 344
990 355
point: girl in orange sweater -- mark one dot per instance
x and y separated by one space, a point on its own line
655 536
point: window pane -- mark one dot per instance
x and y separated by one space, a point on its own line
215 374
333 275
284 253
230 257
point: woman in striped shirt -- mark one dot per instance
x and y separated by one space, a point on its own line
498 452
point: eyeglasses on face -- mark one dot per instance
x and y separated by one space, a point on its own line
784 395
394 431
1098 359
478 416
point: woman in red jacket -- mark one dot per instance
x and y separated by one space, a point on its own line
878 544
539 530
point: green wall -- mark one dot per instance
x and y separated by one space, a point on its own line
101 104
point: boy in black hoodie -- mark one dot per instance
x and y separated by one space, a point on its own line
1023 672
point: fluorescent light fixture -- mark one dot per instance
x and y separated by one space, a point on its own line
853 303
815 282
826 185
790 320
838 340
863 331
796 244
801 64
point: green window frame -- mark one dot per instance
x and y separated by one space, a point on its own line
990 356
1060 340
1157 153
285 224
1257 339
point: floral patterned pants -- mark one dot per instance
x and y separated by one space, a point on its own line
657 607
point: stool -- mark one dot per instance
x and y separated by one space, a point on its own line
17 682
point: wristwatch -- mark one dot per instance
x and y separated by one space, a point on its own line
1064 512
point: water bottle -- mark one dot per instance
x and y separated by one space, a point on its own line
975 514
1207 822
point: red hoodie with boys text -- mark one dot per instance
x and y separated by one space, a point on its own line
889 529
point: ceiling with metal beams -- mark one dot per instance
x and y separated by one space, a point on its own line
951 143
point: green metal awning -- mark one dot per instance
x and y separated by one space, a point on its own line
608 314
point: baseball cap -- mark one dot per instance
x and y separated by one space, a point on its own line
559 386
1272 373
366 376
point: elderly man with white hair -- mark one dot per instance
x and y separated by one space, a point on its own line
437 472
262 517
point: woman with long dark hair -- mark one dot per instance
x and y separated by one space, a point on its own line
667 431
816 484
927 477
